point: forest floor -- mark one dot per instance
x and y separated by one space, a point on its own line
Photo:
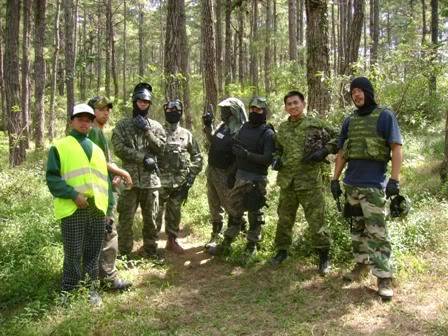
194 294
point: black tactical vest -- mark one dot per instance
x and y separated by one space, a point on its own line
252 139
220 153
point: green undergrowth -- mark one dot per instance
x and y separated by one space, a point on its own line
31 255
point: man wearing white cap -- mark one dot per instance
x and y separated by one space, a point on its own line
77 178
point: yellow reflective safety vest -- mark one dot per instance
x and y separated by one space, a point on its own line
87 177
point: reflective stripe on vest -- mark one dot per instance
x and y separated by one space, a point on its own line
363 142
89 178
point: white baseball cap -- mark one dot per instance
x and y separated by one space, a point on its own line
82 108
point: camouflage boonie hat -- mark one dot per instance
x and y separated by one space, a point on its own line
100 102
259 102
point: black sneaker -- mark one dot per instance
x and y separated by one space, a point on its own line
279 258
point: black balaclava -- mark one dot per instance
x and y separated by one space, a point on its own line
136 111
226 114
173 117
369 96
256 119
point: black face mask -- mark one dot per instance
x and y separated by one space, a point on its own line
226 113
172 117
257 118
136 111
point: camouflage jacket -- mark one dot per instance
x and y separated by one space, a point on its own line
131 144
293 140
181 156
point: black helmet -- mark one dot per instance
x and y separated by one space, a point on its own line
174 104
142 91
399 206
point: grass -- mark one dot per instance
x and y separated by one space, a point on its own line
194 294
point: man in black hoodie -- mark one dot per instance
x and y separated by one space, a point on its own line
369 138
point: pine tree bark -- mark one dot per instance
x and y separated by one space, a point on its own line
54 70
218 30
267 49
434 43
99 49
12 83
2 86
39 71
374 30
241 72
354 36
125 52
228 47
292 29
26 82
424 29
69 55
253 50
274 15
318 56
141 64
209 54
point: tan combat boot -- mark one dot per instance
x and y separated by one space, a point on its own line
385 288
173 246
359 272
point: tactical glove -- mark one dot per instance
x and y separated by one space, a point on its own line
392 188
316 156
277 164
335 188
240 152
109 224
141 122
207 119
149 164
182 192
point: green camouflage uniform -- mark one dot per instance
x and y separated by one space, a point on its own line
181 157
131 144
301 183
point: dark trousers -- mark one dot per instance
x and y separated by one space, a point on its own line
82 237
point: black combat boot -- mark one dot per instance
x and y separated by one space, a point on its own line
279 257
324 262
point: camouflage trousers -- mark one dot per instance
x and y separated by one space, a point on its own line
169 212
313 204
217 195
129 200
370 240
237 209
108 256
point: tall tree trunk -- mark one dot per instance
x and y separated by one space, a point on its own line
39 71
69 55
228 47
12 83
54 65
317 60
218 30
341 35
333 38
141 64
208 47
113 66
99 49
61 65
253 49
124 68
292 29
108 45
424 29
300 31
267 49
2 86
26 83
374 30
241 71
274 15
434 43
83 56
354 36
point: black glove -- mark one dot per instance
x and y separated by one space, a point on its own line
182 192
231 181
207 119
240 151
335 188
149 164
141 122
392 188
109 224
277 164
316 156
